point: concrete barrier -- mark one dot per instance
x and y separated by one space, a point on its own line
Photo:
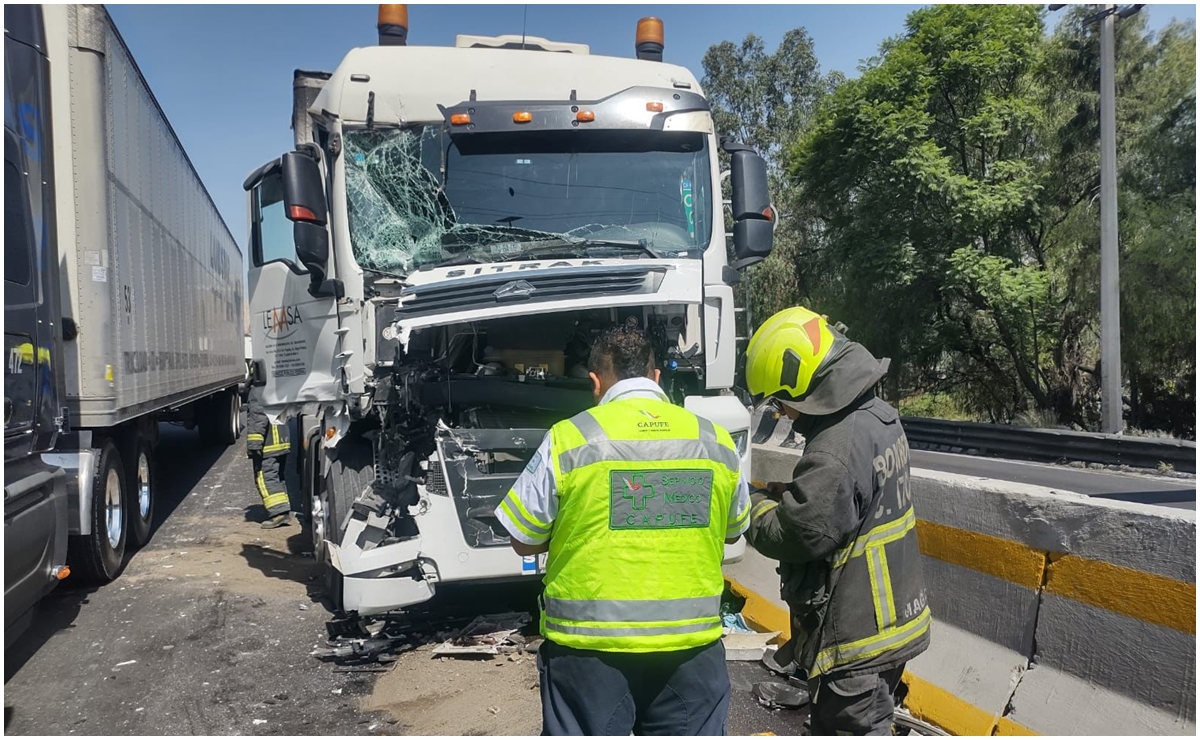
1054 613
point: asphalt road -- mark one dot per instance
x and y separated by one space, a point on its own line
1121 486
209 631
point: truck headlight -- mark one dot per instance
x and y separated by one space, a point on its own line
741 440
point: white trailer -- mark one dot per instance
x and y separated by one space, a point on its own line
133 313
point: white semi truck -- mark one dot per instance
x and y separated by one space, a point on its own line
430 265
122 302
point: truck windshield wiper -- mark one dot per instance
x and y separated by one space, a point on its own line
385 273
639 244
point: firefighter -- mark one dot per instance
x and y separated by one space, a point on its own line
267 446
634 501
843 529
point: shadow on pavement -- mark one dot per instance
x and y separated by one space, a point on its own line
54 613
181 453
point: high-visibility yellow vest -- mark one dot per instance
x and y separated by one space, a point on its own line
635 557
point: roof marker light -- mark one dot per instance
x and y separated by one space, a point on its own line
655 107
585 116
460 119
649 40
522 117
393 25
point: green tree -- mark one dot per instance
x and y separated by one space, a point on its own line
955 183
765 99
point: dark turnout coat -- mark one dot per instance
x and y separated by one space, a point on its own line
844 530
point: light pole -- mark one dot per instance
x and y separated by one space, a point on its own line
1110 282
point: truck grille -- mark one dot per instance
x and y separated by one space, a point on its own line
527 286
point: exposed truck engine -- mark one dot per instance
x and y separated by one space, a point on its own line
432 263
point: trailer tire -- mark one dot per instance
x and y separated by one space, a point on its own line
99 557
351 469
141 478
221 418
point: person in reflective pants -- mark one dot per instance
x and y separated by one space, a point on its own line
634 501
843 529
267 446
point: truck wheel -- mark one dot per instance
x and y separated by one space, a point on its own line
98 557
351 469
141 493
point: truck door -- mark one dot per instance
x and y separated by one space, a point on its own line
21 350
293 333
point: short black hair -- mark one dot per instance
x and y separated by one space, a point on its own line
623 351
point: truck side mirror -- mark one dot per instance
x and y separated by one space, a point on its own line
753 215
304 204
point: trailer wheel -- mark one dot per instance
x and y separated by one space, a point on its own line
141 492
351 470
221 418
99 557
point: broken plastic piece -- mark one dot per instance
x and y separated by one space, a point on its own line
492 634
747 646
776 695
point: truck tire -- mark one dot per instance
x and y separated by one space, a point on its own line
99 557
141 479
221 418
351 469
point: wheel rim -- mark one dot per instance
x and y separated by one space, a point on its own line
234 414
115 514
143 471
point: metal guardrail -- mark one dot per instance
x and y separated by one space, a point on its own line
1048 445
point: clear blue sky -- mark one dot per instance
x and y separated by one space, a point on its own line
223 73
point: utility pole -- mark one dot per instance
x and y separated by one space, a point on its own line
1111 420
1110 283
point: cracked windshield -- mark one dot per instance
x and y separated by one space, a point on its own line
418 197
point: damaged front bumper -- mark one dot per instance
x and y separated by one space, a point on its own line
460 539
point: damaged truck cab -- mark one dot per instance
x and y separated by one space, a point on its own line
432 263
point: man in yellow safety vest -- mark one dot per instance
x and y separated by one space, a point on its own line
634 501
843 529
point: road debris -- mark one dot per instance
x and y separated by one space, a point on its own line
779 695
128 662
734 623
490 634
747 646
348 651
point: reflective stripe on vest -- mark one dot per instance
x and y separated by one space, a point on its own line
635 556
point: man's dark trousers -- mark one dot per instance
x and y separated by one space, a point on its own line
589 692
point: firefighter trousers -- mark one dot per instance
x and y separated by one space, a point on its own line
268 480
860 705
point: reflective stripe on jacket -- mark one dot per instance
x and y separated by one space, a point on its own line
271 440
845 535
634 565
